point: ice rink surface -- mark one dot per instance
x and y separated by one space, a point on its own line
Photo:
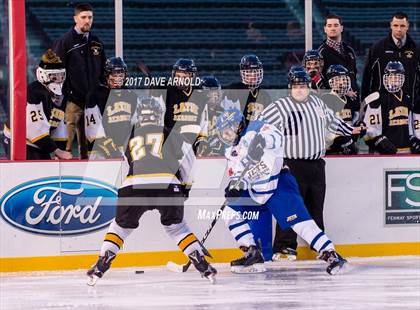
369 283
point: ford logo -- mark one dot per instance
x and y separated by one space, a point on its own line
63 205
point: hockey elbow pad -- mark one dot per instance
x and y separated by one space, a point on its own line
384 146
256 148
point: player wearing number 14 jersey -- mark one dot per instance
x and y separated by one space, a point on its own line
152 160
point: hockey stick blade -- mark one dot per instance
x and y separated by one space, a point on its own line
177 268
372 97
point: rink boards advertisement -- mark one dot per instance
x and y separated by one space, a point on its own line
52 210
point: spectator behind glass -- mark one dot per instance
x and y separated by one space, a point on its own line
84 57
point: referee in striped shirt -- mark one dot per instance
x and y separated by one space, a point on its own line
305 120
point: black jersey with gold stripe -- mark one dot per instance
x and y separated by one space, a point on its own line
109 114
390 115
250 101
186 112
44 118
152 154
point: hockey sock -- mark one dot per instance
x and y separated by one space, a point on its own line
238 227
184 238
315 237
114 238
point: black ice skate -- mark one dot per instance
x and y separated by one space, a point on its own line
206 270
251 262
102 265
334 260
285 254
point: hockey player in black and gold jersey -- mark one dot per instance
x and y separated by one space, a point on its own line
343 106
186 113
45 129
247 96
152 159
392 126
110 112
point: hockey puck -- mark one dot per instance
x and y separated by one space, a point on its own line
139 271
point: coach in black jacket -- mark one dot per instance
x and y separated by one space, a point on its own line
397 46
84 58
336 52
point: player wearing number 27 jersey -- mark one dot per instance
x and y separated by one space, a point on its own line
152 160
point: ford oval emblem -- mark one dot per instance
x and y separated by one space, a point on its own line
66 205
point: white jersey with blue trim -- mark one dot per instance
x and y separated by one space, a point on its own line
261 178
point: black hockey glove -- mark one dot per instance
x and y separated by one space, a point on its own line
415 145
345 145
201 148
235 189
256 149
363 128
186 188
384 146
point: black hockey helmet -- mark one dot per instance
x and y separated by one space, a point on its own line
115 65
298 75
251 69
313 62
312 55
394 76
339 79
149 111
186 65
115 72
211 85
210 82
336 70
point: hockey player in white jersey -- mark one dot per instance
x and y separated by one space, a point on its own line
266 183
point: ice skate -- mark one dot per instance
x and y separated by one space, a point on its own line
285 254
102 265
251 262
334 260
206 270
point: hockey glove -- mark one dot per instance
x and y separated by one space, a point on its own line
415 145
344 145
186 188
362 126
201 148
256 149
384 146
235 189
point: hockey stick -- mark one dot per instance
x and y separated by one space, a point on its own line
183 268
372 97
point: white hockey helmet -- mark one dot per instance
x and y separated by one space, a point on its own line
51 71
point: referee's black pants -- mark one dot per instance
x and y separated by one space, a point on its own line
310 175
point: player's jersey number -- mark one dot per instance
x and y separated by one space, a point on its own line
138 143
